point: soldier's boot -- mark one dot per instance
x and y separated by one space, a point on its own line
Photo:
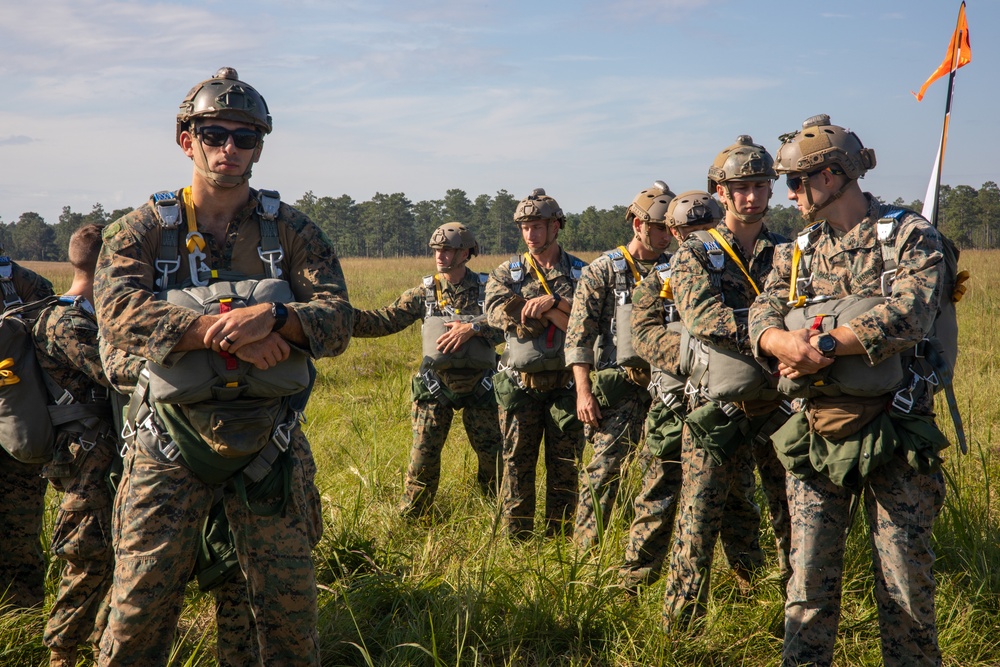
62 657
744 580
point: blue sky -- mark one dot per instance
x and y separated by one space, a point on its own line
591 100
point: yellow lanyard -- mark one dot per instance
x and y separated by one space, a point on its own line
7 375
795 300
439 293
531 262
732 253
631 264
194 238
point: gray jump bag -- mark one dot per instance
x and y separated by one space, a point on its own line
723 375
535 355
206 375
849 375
476 354
26 430
626 356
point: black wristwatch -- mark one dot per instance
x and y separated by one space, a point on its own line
476 328
280 313
827 345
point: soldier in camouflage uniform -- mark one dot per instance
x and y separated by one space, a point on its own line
904 490
529 299
22 487
162 501
455 293
652 310
708 299
598 341
65 336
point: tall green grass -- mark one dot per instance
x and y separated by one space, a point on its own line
453 590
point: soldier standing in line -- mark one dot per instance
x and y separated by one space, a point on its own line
457 370
612 404
247 442
714 278
655 341
529 299
65 335
22 487
841 254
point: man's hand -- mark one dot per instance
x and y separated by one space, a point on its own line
587 409
535 307
265 353
239 327
796 356
457 335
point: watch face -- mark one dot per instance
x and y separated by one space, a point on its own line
827 344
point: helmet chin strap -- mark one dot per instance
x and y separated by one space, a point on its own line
644 239
814 209
745 218
224 181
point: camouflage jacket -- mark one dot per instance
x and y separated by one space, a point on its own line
29 285
65 336
852 264
500 290
121 368
136 322
650 337
706 300
594 304
411 307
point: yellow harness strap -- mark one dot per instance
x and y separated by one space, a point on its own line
795 300
7 375
194 238
530 261
736 258
442 301
631 264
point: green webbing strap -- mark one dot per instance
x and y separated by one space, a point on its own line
270 252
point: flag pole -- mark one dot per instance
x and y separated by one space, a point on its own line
930 210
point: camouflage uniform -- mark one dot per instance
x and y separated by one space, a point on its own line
900 502
22 493
620 428
714 496
524 427
236 632
161 507
65 337
432 417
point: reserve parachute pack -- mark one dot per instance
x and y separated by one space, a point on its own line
33 407
715 373
476 354
541 353
619 351
219 413
929 365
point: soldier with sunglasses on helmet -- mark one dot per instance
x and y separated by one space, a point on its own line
227 293
456 371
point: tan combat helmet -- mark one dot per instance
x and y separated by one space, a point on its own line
456 236
539 206
743 161
224 96
651 204
820 145
694 207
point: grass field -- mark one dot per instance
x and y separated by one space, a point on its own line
455 591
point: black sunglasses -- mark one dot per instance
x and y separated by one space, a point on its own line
795 182
215 135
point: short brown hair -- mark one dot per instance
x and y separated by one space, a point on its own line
84 247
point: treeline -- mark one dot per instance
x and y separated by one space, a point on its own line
390 225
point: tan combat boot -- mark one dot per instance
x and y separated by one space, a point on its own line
62 657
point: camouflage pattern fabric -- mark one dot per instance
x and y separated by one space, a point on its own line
236 641
902 557
650 337
431 419
523 432
706 302
431 424
900 504
621 425
153 565
716 501
525 428
160 508
22 495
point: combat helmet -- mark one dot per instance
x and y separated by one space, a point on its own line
694 207
651 204
224 96
821 145
456 236
539 206
743 161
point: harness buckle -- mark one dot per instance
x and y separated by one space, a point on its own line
431 381
86 445
901 402
730 409
283 433
165 267
66 398
271 258
886 282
